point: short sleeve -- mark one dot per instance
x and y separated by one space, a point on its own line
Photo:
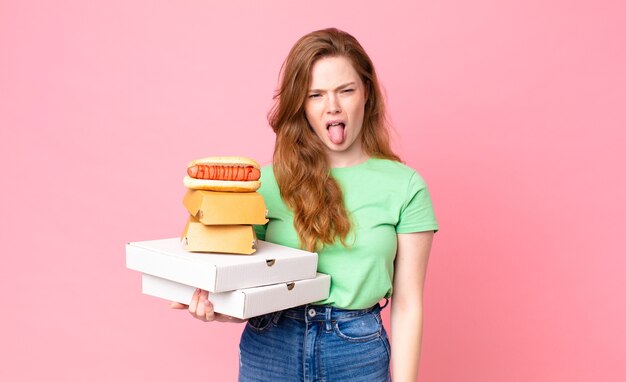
259 230
417 214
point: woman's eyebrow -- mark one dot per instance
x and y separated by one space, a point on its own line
337 88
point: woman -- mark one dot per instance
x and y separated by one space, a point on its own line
337 188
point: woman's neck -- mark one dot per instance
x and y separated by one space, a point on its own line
346 159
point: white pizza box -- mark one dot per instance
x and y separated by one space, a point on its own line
245 303
219 272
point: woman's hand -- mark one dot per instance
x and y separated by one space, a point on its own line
202 309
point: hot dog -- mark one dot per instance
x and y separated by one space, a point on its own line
213 172
233 174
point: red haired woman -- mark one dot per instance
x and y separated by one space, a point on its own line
337 188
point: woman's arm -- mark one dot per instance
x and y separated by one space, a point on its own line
406 303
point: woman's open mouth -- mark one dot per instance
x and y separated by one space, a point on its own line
336 131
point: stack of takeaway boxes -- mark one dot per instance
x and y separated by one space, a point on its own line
219 252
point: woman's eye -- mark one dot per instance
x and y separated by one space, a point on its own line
348 90
314 95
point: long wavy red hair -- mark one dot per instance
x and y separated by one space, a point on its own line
300 164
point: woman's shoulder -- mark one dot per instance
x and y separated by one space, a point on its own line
267 170
392 167
395 174
268 180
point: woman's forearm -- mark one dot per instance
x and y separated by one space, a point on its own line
406 338
406 304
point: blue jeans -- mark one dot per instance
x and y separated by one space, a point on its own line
315 343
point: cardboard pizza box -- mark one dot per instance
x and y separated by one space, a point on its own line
218 272
245 303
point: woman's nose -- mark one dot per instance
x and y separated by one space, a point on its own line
333 106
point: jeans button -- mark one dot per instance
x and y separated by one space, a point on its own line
312 312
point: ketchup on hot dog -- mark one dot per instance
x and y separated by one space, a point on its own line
202 171
232 174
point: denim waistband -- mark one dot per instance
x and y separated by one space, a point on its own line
312 313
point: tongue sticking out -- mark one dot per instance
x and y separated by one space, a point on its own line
335 133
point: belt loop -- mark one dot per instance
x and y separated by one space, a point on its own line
277 316
328 316
386 303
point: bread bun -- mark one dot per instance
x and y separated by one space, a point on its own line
221 185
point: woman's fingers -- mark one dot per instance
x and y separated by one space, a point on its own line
194 302
178 305
200 307
205 307
209 313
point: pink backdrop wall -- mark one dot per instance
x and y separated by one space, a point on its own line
514 113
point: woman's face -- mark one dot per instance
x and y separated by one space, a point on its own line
335 105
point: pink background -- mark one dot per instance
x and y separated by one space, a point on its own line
514 113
